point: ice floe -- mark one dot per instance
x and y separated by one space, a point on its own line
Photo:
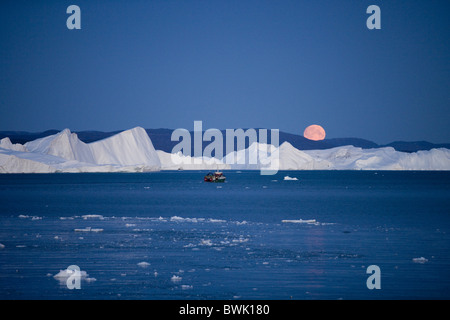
301 221
143 264
176 278
420 260
88 229
63 275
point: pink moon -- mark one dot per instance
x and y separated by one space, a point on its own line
314 132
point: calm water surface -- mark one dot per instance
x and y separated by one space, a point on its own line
169 235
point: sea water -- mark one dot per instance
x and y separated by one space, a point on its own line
169 235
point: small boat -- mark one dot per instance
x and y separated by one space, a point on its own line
214 177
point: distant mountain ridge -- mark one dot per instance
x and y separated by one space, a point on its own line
161 139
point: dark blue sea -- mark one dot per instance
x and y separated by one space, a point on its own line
169 235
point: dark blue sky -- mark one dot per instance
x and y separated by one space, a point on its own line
233 64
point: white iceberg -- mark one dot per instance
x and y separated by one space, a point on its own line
128 148
133 151
260 156
178 161
5 143
353 158
127 151
339 158
64 144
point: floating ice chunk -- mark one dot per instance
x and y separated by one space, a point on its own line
88 229
180 219
143 264
63 275
2 246
287 178
186 287
421 260
92 216
206 242
176 278
311 221
130 225
216 220
240 240
30 217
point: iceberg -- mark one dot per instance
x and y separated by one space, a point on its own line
257 156
5 143
128 151
133 151
178 161
128 148
291 158
353 158
64 144
340 158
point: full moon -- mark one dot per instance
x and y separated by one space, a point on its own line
314 132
